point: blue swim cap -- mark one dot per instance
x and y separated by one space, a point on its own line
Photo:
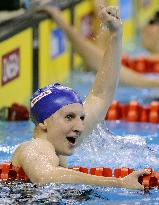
46 101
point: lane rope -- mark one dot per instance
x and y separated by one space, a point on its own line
133 112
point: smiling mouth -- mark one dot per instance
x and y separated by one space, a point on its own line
72 140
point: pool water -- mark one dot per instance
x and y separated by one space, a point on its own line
111 144
83 81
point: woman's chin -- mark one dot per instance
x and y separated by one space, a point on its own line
66 152
69 153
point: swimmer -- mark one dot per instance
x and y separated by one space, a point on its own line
92 54
62 120
150 31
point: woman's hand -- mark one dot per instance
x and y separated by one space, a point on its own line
47 9
110 18
131 181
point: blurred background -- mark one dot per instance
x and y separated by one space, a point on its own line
35 52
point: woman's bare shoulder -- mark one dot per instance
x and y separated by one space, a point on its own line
37 145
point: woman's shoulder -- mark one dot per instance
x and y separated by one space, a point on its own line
34 145
38 143
17 153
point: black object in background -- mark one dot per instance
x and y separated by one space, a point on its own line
10 5
155 18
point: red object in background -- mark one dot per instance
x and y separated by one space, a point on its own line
151 180
101 171
154 112
133 112
18 112
122 172
4 170
156 174
140 65
107 172
124 60
124 109
150 65
144 114
10 172
131 63
114 112
155 66
80 169
98 171
10 66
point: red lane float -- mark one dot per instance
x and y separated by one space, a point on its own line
80 169
101 171
134 112
141 64
122 172
149 181
10 172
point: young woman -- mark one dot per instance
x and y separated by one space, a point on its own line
62 120
149 35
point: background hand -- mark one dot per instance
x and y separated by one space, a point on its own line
110 18
47 9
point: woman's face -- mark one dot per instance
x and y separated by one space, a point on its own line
64 127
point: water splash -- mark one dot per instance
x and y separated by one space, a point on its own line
102 148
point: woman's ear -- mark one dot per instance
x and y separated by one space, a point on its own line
43 125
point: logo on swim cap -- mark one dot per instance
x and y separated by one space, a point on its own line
46 101
43 94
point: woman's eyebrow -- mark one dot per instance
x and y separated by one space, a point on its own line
70 113
74 113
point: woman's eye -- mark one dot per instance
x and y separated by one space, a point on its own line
69 117
82 117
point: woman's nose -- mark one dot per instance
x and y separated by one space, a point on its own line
78 126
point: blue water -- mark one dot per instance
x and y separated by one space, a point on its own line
83 81
112 144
